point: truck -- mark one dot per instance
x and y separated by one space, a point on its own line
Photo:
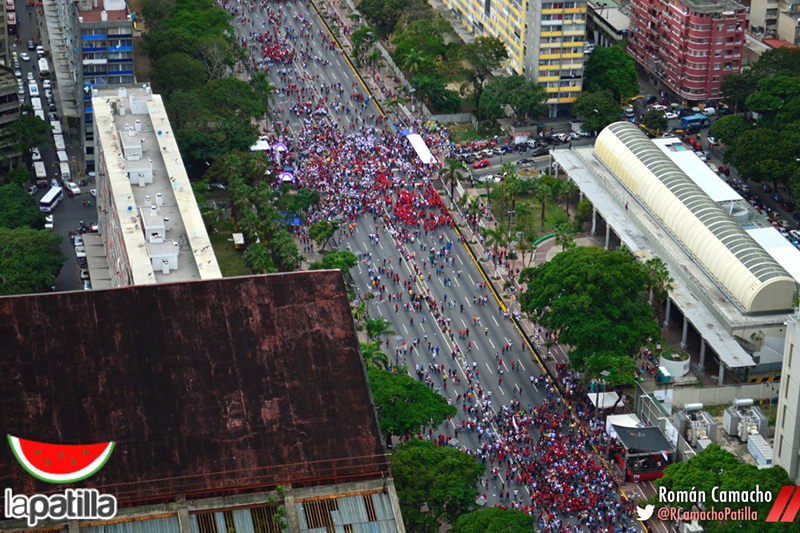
44 69
40 172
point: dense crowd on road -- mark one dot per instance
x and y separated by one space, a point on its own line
540 456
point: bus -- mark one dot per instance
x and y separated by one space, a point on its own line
34 90
51 200
39 113
40 172
66 175
59 140
55 125
37 104
44 69
62 156
11 22
695 122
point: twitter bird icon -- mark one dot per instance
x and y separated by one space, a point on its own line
646 513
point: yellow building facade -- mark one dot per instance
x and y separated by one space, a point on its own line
544 40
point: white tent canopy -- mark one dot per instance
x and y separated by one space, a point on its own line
603 400
421 148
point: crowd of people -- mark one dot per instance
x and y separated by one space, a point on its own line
539 457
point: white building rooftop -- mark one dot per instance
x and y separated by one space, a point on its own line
136 146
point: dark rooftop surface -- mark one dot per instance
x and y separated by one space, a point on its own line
208 388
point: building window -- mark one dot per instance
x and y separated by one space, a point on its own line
716 66
718 53
487 7
780 447
783 418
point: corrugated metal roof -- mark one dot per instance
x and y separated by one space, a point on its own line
352 510
156 525
196 382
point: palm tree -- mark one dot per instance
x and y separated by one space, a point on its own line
451 172
524 246
565 235
374 58
660 282
542 194
373 356
377 327
264 89
495 238
360 311
569 190
413 61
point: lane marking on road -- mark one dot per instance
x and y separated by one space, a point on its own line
501 390
493 346
470 279
381 245
495 321
379 310
490 368
468 302
405 328
459 259
464 323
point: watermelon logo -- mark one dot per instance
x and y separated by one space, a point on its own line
60 463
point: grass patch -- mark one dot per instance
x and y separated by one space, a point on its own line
674 355
715 410
231 261
461 133
554 214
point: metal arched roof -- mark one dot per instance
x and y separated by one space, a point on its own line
746 271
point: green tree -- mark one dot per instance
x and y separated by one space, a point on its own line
373 355
569 189
434 484
404 405
492 104
415 61
763 156
659 282
258 259
433 91
655 120
30 260
377 327
720 469
494 520
28 132
264 90
382 14
18 209
18 175
611 68
583 212
595 298
343 260
543 189
362 39
178 72
451 173
322 231
729 128
483 56
597 109
565 235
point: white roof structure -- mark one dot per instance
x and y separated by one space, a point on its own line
262 145
705 178
747 272
423 152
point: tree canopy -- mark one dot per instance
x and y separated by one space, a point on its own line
482 56
178 72
611 68
655 120
715 467
494 520
434 484
597 109
18 209
343 260
405 405
595 298
525 97
30 260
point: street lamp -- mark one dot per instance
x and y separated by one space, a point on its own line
412 91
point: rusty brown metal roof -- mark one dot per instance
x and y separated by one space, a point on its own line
207 387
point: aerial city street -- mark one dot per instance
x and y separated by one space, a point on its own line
316 265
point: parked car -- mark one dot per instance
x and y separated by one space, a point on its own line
541 151
33 189
54 183
766 187
713 142
669 115
30 77
87 286
52 116
31 45
73 189
725 170
40 51
24 56
48 222
526 161
775 196
47 84
659 107
80 251
483 163
84 274
745 187
498 151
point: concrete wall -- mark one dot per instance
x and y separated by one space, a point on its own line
453 118
723 395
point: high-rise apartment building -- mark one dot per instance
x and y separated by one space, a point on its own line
690 46
98 43
787 422
544 40
9 99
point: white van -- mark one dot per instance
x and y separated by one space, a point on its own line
709 111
